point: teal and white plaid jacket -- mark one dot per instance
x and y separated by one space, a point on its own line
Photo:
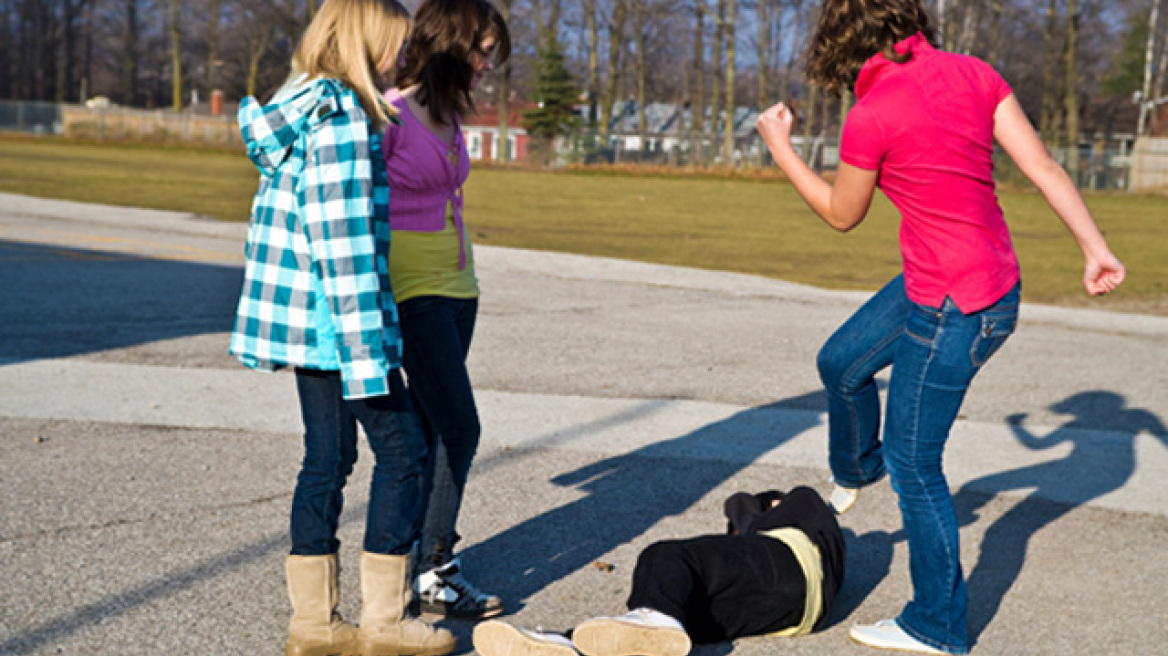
316 285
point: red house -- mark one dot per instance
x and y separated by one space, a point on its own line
481 132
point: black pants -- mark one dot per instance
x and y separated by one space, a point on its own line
721 587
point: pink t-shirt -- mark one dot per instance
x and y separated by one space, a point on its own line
927 127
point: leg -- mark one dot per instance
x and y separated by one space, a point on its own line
437 333
721 587
936 360
399 451
330 451
848 363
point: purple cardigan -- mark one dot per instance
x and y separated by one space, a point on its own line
422 179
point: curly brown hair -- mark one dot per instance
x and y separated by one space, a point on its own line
447 34
850 32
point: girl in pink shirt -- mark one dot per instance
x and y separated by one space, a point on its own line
431 269
923 131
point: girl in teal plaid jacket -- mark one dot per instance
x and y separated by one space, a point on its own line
316 297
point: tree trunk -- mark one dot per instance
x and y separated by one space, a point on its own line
213 42
1072 90
719 83
729 33
969 26
763 46
616 28
808 120
593 61
995 54
1147 99
176 56
639 71
845 106
130 59
697 109
1047 124
943 22
503 100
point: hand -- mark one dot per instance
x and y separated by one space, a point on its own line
1103 274
775 124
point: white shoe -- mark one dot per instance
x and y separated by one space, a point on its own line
642 632
498 638
887 634
842 498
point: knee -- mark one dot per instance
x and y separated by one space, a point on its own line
832 367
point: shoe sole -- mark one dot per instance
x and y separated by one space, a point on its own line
443 611
501 639
612 637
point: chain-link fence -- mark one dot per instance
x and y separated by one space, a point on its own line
1106 164
112 123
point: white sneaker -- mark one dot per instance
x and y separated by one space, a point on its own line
445 592
842 498
887 634
642 632
498 638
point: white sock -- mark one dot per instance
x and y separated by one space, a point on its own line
653 618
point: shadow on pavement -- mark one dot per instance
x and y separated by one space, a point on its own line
1096 466
61 302
626 495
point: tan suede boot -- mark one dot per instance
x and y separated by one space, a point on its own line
385 628
316 629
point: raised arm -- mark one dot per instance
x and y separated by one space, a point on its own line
1102 272
842 205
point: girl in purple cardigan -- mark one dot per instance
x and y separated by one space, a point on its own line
431 268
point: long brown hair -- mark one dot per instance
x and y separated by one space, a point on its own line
350 40
850 32
446 37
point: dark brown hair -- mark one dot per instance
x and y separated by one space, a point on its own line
447 35
850 32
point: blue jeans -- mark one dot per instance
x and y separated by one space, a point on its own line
436 337
934 353
330 451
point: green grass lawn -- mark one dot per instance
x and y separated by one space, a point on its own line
750 226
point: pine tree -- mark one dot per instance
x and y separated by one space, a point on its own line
556 94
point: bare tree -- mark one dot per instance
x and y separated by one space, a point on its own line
503 97
130 58
176 55
969 24
1048 122
593 26
764 24
1147 99
615 29
213 42
995 52
729 34
697 111
1071 91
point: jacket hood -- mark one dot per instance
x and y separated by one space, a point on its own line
270 131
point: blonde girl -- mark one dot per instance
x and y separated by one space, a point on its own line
316 297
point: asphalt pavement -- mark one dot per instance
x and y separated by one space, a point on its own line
146 476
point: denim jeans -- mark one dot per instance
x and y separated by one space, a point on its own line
934 353
330 451
436 337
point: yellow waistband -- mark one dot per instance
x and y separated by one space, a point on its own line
812 565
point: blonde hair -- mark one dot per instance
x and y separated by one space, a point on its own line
350 40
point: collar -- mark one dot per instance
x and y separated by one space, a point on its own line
878 66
